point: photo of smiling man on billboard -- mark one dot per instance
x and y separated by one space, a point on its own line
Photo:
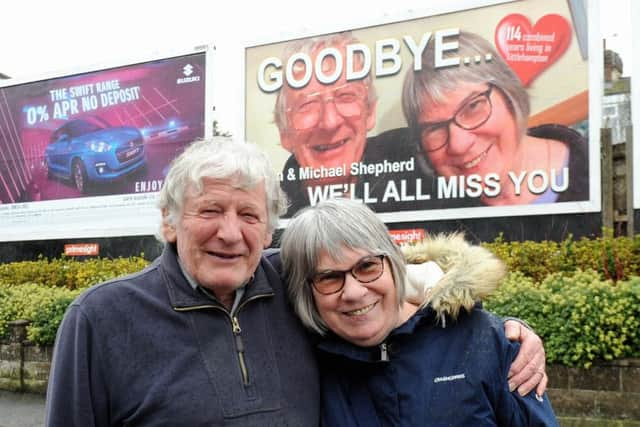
459 114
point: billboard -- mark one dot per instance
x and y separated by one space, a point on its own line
84 154
468 113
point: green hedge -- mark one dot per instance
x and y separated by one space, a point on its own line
47 318
580 317
40 291
68 272
615 258
581 296
32 301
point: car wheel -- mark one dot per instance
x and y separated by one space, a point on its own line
79 175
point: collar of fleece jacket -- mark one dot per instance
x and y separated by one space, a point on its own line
471 272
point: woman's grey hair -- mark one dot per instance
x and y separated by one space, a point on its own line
432 84
242 163
331 227
309 46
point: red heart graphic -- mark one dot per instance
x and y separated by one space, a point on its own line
530 51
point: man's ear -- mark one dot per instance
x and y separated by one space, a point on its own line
371 115
268 239
168 231
286 140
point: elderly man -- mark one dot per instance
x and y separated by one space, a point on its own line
204 336
325 127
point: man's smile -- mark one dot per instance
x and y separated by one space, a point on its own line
328 147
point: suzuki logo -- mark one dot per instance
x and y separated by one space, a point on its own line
187 70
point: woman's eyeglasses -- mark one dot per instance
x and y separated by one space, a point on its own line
471 115
366 270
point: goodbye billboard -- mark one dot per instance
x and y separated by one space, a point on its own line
469 113
84 154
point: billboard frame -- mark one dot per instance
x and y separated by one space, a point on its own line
595 89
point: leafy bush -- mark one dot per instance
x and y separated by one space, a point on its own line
47 319
581 296
26 300
8 311
68 272
40 291
580 317
615 258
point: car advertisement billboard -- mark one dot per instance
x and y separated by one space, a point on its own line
85 154
468 113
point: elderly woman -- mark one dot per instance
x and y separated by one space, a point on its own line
472 120
384 361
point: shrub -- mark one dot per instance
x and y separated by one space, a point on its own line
614 258
581 296
40 291
69 272
47 319
8 311
580 317
25 300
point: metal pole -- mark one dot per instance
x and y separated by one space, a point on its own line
629 180
606 156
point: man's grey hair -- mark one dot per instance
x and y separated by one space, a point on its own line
309 46
244 164
331 227
432 84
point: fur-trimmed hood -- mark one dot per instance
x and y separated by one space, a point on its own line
470 273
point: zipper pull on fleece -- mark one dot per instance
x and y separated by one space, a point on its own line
384 352
240 350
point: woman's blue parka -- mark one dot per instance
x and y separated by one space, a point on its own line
446 366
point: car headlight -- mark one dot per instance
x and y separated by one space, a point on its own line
99 146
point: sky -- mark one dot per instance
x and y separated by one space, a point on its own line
42 36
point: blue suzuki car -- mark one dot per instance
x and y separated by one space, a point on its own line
88 151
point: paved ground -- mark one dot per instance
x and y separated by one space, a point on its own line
27 410
21 410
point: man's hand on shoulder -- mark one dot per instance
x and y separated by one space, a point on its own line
528 369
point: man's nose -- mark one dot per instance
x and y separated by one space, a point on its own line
460 140
353 289
229 229
331 117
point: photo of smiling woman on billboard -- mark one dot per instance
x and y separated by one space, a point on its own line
470 123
